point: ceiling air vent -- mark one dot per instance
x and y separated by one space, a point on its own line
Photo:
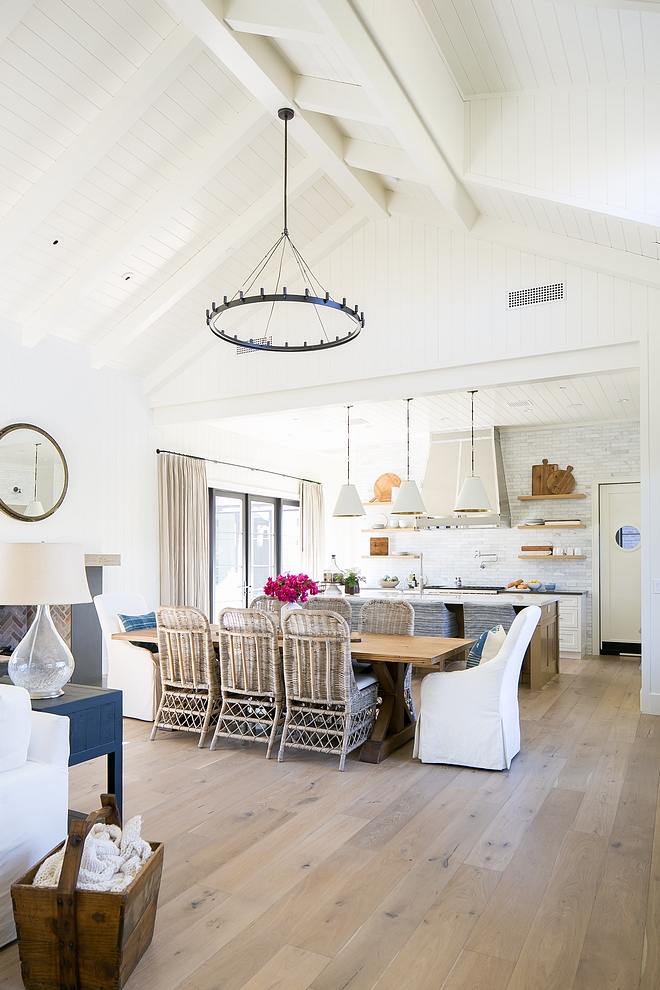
257 340
539 294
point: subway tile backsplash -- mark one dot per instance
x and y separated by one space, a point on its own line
599 451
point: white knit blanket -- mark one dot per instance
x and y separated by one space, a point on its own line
111 858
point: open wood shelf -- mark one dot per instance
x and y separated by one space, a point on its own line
551 556
393 529
547 526
536 498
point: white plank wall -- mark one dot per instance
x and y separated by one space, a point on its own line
588 147
432 298
102 423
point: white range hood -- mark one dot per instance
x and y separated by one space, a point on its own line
449 464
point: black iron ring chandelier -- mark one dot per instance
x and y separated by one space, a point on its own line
316 296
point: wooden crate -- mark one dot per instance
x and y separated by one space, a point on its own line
379 546
83 939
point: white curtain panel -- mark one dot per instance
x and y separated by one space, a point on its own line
312 532
184 531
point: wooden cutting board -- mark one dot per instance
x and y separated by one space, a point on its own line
561 482
384 485
540 475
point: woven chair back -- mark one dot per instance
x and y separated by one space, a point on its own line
335 604
266 604
185 648
389 618
249 653
317 658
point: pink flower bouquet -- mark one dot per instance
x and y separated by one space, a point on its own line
291 587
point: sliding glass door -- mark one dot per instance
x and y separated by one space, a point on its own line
253 538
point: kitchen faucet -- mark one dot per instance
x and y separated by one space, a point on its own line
486 558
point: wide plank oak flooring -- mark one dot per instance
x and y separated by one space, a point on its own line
294 876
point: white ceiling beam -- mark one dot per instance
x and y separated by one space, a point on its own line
256 64
348 36
12 13
287 19
380 158
155 74
194 175
651 6
532 367
337 99
314 251
606 209
559 247
249 223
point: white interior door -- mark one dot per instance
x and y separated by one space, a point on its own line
620 567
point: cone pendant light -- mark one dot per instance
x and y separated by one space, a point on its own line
349 503
408 501
472 496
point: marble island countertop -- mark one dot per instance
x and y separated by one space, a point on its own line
430 597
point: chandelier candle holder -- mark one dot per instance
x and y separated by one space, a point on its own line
287 335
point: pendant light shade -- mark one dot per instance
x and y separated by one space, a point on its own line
34 508
408 501
472 496
349 503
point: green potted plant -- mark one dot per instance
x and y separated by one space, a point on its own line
351 580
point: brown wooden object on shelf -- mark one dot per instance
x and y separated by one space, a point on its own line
540 475
71 939
561 482
383 487
379 546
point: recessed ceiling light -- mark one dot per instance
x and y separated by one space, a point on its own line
529 409
127 276
230 250
563 387
56 241
574 405
393 178
622 400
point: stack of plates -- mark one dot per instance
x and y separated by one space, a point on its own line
533 522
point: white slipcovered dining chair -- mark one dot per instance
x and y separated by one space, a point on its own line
131 669
471 717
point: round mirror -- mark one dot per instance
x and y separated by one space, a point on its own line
628 537
33 473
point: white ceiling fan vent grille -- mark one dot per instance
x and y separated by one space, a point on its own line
257 340
539 294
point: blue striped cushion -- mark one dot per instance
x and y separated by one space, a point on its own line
133 623
475 655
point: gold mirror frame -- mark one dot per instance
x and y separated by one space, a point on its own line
12 512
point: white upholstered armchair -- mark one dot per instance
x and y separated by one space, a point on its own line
131 669
471 717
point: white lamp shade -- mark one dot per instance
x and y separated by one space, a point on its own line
472 497
408 501
34 508
42 574
349 502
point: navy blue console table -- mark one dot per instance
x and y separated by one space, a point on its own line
96 728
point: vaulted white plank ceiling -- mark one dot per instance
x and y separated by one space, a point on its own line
141 158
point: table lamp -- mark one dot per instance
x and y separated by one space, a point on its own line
42 574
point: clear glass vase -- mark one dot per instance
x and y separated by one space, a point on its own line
42 663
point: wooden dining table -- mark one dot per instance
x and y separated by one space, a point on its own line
389 656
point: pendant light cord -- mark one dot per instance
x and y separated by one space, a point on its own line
348 444
408 401
472 431
286 176
36 458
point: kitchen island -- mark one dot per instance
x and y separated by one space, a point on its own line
441 614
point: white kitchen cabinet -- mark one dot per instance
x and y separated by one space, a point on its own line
572 626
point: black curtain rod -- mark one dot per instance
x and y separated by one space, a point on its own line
244 467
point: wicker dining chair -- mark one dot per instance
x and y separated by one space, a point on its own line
391 618
251 676
326 708
189 672
335 604
267 604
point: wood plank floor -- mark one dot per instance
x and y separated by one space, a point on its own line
295 876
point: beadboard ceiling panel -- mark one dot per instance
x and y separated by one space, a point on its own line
320 62
577 401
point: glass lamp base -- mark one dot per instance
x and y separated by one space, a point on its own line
42 663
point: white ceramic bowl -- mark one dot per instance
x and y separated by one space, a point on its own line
388 584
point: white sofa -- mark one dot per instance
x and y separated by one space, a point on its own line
131 670
471 717
34 791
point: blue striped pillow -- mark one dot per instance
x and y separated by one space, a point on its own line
133 623
475 655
